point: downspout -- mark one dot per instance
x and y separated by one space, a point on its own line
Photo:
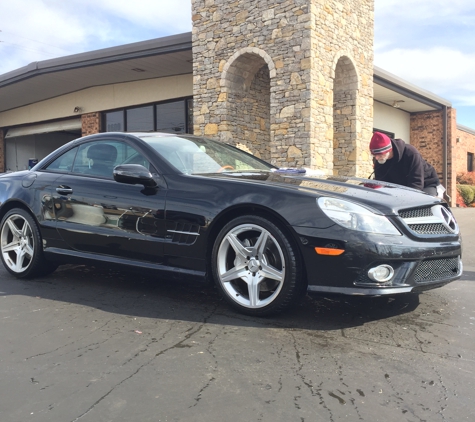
445 152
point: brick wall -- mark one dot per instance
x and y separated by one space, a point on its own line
451 169
91 123
427 135
464 144
2 151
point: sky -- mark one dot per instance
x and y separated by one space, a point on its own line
429 43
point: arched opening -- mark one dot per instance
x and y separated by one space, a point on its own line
246 82
345 89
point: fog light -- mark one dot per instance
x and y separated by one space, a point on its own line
381 273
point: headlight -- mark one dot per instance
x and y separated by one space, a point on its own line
355 217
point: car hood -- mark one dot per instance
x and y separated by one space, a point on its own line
387 198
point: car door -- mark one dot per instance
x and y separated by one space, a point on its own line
97 215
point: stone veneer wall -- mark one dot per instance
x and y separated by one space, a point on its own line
265 73
248 114
344 118
427 135
90 123
2 151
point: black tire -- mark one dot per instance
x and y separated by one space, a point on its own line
255 267
21 247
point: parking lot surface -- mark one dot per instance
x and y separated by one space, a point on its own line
88 344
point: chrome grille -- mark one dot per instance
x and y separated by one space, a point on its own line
183 233
437 228
437 270
417 213
435 220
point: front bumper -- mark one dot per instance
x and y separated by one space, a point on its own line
419 264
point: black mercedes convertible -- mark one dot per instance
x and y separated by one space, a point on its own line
192 206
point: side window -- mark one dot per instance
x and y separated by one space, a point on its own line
129 155
99 158
64 163
96 159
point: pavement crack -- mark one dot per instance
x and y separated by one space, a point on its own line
198 397
190 332
73 342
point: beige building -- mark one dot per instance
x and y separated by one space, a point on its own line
292 82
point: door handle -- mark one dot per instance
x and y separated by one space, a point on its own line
64 190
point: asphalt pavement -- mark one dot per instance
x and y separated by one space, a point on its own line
88 344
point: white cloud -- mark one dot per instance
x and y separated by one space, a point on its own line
35 30
153 14
425 11
430 43
447 73
426 42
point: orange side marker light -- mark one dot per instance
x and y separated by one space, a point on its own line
329 251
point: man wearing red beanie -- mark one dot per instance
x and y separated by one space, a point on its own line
401 163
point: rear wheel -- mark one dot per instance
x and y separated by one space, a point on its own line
255 266
20 244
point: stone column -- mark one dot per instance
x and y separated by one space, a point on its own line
264 75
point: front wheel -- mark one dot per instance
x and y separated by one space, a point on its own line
255 267
20 244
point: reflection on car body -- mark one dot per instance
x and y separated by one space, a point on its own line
180 203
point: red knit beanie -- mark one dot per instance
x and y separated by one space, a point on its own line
380 143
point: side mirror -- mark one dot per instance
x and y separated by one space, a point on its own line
134 174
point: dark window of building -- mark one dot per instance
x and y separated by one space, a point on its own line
140 119
114 121
171 117
469 161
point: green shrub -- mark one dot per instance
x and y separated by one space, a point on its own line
467 193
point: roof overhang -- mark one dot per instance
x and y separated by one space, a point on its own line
395 92
466 129
39 81
157 58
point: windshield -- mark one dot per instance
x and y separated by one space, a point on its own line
192 155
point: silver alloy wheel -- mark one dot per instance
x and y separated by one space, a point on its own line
17 243
251 266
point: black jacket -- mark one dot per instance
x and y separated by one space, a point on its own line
406 168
